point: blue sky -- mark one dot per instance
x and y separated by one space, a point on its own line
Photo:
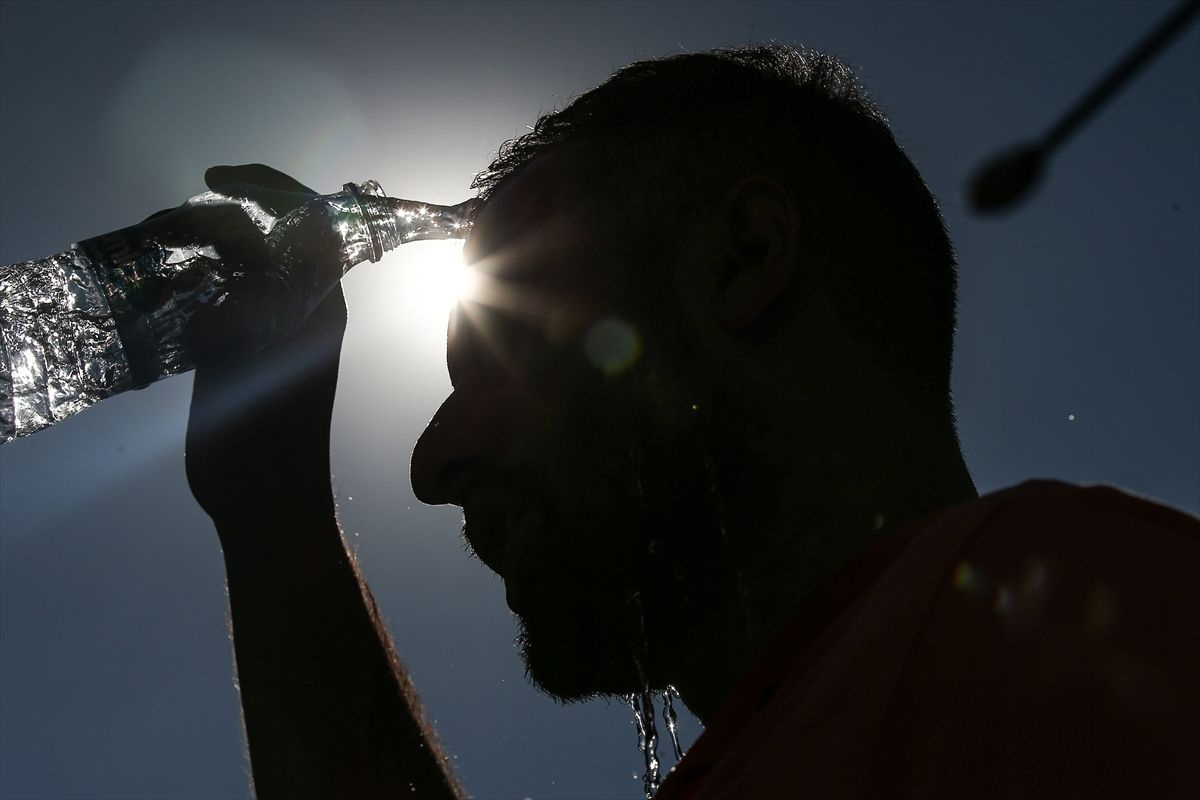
1078 351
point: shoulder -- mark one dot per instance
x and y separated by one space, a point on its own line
1048 508
1057 567
1061 646
1049 553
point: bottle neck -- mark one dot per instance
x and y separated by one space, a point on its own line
384 223
364 237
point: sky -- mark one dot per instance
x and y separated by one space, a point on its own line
1077 354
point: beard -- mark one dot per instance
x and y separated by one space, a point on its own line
630 557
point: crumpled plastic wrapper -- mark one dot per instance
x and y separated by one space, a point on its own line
59 349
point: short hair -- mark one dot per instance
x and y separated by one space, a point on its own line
666 138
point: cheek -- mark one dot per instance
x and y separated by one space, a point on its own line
592 493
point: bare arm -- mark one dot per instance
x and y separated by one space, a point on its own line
329 709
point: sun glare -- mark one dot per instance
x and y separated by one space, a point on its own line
409 295
440 273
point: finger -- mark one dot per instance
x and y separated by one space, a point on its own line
254 175
158 214
273 201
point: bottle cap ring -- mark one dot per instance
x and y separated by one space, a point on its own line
376 243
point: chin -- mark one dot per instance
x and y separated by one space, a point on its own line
582 638
573 663
653 531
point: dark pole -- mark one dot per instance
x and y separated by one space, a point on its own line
1007 178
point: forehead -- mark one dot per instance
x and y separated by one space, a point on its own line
537 197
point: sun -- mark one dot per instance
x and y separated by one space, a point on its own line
441 275
406 298
436 279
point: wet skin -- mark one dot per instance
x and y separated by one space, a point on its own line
585 487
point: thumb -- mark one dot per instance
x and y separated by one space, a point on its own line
276 192
253 175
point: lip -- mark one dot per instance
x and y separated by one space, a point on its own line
520 541
485 534
491 519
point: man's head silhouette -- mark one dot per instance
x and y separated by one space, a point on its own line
708 362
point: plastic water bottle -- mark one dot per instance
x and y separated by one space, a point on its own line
121 311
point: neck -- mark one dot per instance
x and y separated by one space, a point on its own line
794 524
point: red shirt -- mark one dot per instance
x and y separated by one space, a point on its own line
1043 641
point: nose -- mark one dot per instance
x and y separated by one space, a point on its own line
460 437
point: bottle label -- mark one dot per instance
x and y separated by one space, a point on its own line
121 262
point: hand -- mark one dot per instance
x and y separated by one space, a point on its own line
258 434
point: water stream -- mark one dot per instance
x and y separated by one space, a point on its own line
642 705
668 695
643 716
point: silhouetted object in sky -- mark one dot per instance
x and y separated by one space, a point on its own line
1004 180
123 310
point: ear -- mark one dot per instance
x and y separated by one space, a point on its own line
758 231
